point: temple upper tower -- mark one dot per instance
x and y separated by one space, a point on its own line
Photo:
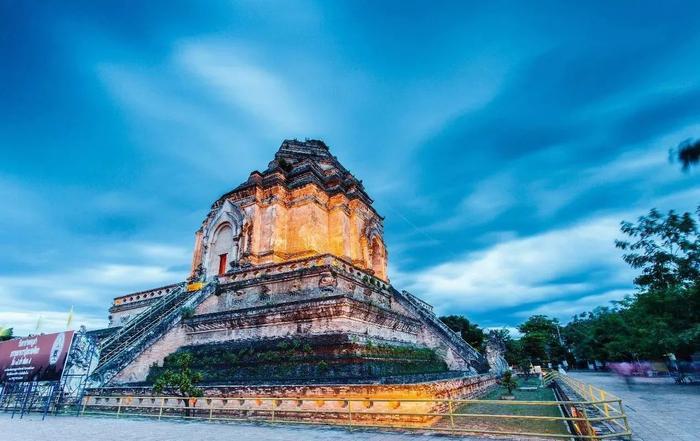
303 205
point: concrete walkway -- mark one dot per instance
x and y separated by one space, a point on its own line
70 428
658 409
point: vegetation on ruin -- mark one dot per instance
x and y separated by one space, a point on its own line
304 359
187 312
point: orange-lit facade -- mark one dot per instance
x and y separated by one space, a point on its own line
304 204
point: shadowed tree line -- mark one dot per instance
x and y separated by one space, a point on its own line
660 318
663 316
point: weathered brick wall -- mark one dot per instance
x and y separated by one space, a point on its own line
138 369
317 296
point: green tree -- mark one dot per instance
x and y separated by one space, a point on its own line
509 382
5 333
647 325
602 334
180 381
665 248
541 342
663 316
471 333
514 354
664 321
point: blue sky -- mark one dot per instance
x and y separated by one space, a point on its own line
503 142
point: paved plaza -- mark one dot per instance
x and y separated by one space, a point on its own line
68 428
658 409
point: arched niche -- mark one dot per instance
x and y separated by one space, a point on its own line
222 250
373 249
377 256
221 239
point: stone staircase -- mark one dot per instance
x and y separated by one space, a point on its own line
139 333
471 356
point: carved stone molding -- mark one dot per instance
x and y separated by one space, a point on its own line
328 281
264 293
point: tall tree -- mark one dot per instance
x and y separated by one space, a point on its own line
471 333
541 342
666 248
664 315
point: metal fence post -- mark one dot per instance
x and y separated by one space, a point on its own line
85 401
628 429
350 414
119 408
452 418
605 405
162 402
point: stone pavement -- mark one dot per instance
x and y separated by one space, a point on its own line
70 428
657 408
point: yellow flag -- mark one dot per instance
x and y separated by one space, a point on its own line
38 324
70 319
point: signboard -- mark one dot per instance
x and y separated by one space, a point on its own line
38 358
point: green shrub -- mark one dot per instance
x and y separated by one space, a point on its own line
187 312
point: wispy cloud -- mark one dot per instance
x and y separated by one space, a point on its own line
545 266
565 309
252 89
89 289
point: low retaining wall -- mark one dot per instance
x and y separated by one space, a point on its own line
405 404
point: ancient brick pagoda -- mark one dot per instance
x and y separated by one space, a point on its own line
289 286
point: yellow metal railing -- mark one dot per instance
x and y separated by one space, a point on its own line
450 416
597 397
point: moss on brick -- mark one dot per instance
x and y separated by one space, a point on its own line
323 358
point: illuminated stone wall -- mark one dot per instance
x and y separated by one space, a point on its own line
295 209
369 403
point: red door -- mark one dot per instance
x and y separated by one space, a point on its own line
222 263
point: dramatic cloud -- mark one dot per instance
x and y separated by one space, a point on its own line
503 143
550 265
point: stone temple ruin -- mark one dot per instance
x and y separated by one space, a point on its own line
289 286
